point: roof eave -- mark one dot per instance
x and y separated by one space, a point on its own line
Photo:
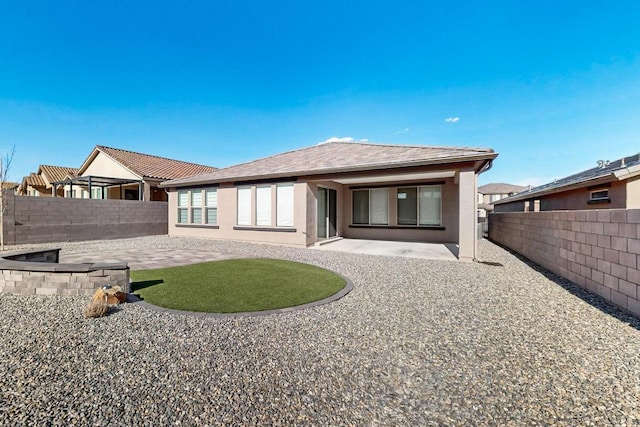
525 195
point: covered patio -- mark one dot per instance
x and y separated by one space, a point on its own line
432 251
116 188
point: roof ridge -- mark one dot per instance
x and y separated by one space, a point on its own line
100 147
54 166
388 144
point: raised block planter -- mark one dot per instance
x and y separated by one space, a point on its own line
39 272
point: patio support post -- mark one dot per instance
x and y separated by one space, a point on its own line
90 195
467 239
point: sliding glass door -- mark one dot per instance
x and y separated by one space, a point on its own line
327 213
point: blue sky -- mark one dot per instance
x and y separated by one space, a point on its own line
553 86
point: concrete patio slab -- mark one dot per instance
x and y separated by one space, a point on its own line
433 251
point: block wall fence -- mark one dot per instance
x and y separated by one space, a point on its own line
55 219
597 249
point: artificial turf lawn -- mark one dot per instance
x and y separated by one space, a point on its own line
235 285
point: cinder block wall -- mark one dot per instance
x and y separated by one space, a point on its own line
25 282
47 219
596 249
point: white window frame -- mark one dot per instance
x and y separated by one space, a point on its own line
263 205
285 202
183 207
195 206
210 205
243 206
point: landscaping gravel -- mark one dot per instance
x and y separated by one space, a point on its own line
416 342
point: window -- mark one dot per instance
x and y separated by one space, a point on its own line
495 197
193 209
599 195
421 206
370 207
183 206
263 205
284 205
70 194
196 206
244 206
96 192
211 203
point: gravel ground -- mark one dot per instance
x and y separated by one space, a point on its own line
415 343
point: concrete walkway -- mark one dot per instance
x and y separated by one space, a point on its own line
433 251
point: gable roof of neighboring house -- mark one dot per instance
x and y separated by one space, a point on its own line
617 170
500 188
34 180
146 165
337 157
8 185
55 173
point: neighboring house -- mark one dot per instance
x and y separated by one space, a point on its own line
490 193
112 173
40 184
12 186
610 185
32 185
351 190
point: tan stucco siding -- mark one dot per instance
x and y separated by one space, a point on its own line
227 227
104 165
633 193
578 199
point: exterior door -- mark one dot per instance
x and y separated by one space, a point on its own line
327 213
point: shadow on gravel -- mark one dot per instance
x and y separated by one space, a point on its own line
590 298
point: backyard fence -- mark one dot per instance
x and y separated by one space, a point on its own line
597 249
55 219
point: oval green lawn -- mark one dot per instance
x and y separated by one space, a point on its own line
236 285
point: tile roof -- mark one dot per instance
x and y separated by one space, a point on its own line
340 157
616 169
148 166
35 180
10 185
500 188
56 173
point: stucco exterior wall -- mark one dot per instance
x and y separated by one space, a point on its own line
578 199
104 165
227 227
597 249
633 193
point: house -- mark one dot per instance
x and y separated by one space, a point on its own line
338 189
490 193
40 184
112 173
32 185
11 186
609 185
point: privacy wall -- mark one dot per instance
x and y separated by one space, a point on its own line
597 249
46 219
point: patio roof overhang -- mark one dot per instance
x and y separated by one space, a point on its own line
97 181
